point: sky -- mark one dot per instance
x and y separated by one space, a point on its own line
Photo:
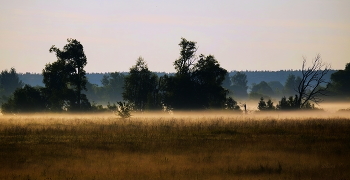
242 35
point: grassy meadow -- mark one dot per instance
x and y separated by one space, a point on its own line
197 145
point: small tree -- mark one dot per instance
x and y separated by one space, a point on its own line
265 106
292 104
69 75
262 104
124 109
231 104
270 105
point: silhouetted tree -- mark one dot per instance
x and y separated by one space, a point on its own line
340 81
56 80
292 104
180 90
312 79
288 104
265 106
195 85
69 72
140 86
283 104
123 109
187 59
25 100
9 82
231 104
208 76
262 104
239 85
270 105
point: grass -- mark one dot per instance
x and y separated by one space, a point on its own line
174 147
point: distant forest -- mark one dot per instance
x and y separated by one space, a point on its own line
253 77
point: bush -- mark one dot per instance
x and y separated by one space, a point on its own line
266 106
24 100
124 109
287 104
292 104
231 104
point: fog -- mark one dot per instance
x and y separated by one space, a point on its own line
328 110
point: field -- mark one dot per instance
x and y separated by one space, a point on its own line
201 145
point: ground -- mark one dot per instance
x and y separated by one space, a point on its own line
204 145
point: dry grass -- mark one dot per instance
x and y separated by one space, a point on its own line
186 146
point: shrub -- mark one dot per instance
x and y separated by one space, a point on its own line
124 109
25 100
292 104
231 104
266 106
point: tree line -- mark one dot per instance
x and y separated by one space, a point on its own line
198 83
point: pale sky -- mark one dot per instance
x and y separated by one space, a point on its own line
241 34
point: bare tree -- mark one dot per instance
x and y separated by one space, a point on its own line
309 88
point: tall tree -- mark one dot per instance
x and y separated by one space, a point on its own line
309 88
187 57
140 85
56 78
70 64
180 89
195 85
208 76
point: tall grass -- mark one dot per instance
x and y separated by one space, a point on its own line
174 147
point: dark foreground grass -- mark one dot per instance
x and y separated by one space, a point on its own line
54 147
